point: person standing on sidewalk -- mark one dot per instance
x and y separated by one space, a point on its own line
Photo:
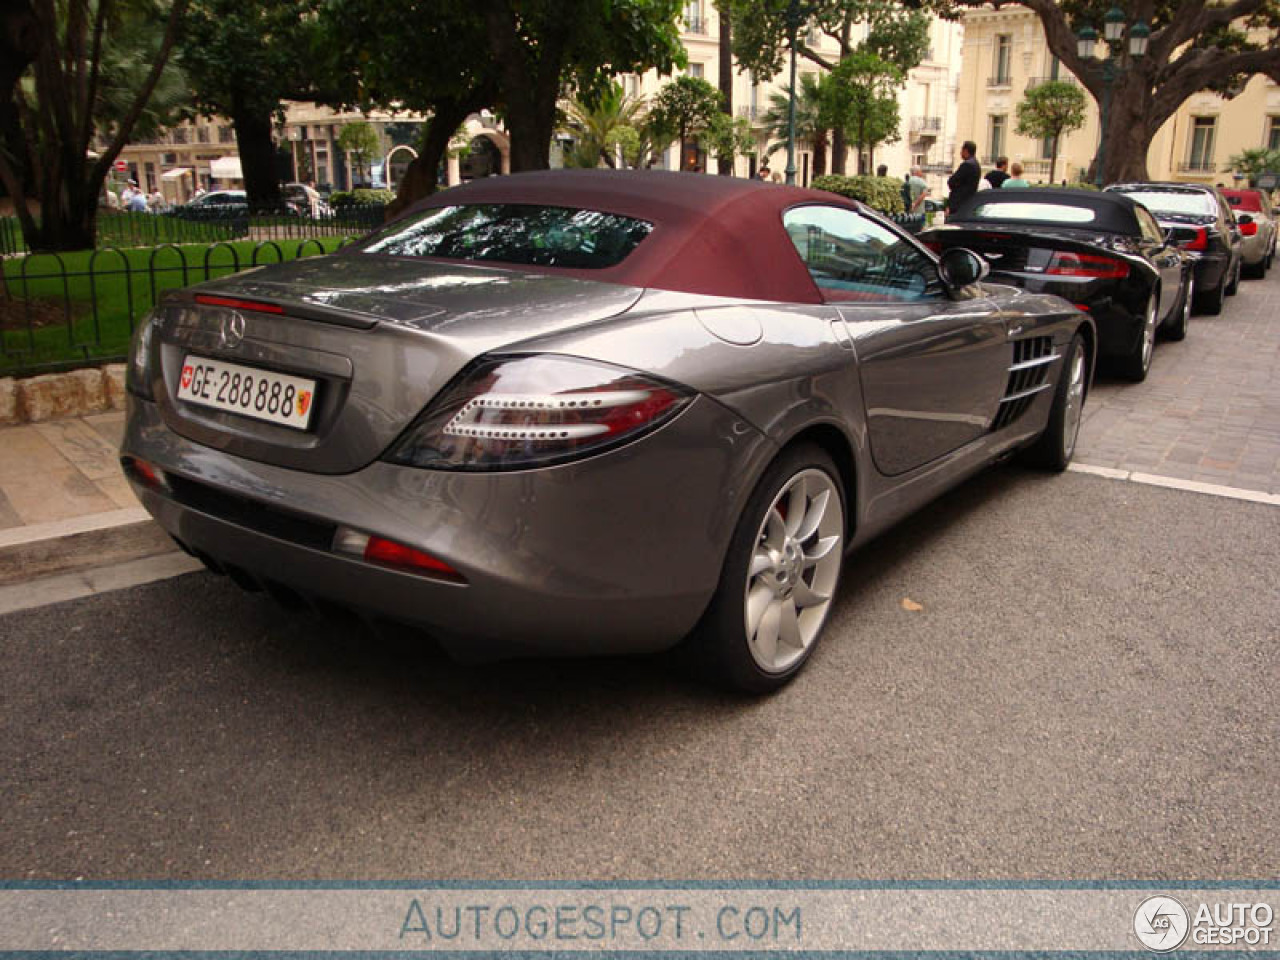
963 184
999 175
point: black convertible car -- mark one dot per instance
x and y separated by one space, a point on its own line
1103 252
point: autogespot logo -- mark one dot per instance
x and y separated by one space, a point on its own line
1161 923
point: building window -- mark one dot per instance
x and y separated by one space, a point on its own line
1273 133
226 134
1055 68
1004 59
1046 148
1202 130
996 143
202 134
693 22
696 70
179 135
631 85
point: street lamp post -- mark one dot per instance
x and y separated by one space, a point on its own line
1113 27
793 27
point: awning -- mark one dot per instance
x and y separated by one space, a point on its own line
226 168
175 173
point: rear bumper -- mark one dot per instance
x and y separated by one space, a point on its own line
1254 249
619 553
1210 270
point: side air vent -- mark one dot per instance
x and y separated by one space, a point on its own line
1028 375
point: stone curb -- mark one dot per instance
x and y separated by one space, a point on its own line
102 540
53 395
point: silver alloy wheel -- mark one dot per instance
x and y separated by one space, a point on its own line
1149 334
1186 302
794 570
1075 402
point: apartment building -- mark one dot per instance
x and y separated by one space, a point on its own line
1005 52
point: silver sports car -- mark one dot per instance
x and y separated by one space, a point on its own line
592 412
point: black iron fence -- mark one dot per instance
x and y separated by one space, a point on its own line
212 224
61 310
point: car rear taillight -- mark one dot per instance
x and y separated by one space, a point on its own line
1248 229
519 412
1066 264
933 245
1199 242
390 553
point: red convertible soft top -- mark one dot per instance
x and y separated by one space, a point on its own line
720 236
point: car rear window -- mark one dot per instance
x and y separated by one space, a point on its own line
1244 200
1175 201
1043 212
543 236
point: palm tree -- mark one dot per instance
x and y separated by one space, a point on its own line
595 126
812 124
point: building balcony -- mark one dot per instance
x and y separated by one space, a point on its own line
926 126
1061 78
695 25
1197 166
751 112
1000 80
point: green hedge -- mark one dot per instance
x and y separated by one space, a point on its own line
880 193
344 198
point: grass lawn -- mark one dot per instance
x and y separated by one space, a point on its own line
63 308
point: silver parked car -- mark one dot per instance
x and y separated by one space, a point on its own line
592 412
1257 222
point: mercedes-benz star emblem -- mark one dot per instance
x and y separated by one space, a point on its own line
232 330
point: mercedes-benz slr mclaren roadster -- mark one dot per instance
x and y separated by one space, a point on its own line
592 412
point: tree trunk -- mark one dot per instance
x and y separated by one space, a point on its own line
1053 158
531 129
1128 134
421 177
724 165
257 156
820 154
839 151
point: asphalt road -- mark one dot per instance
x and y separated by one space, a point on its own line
1088 692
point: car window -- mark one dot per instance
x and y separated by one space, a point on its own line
1158 201
851 257
1151 231
514 233
1045 212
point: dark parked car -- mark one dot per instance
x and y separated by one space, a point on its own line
214 205
1101 251
589 412
1200 221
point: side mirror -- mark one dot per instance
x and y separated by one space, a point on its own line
959 267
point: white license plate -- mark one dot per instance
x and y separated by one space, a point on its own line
248 391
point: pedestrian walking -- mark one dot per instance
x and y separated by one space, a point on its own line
963 183
918 187
1015 181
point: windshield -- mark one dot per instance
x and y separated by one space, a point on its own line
1191 202
1043 212
514 233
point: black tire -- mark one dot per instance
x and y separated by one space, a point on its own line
1137 364
1210 302
1255 271
1233 287
721 648
1055 447
1175 328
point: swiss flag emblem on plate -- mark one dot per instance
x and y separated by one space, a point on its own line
187 373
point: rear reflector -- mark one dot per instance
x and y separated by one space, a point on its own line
1081 306
144 473
236 304
389 553
1065 264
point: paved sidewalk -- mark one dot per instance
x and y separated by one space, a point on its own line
1210 409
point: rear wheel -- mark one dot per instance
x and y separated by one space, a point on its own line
1211 301
780 576
1057 445
1234 286
1176 325
1136 365
1257 270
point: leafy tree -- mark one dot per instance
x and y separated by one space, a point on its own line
360 141
726 137
897 31
1254 163
539 47
594 125
1050 110
1195 45
642 145
862 96
813 120
64 43
685 107
243 60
